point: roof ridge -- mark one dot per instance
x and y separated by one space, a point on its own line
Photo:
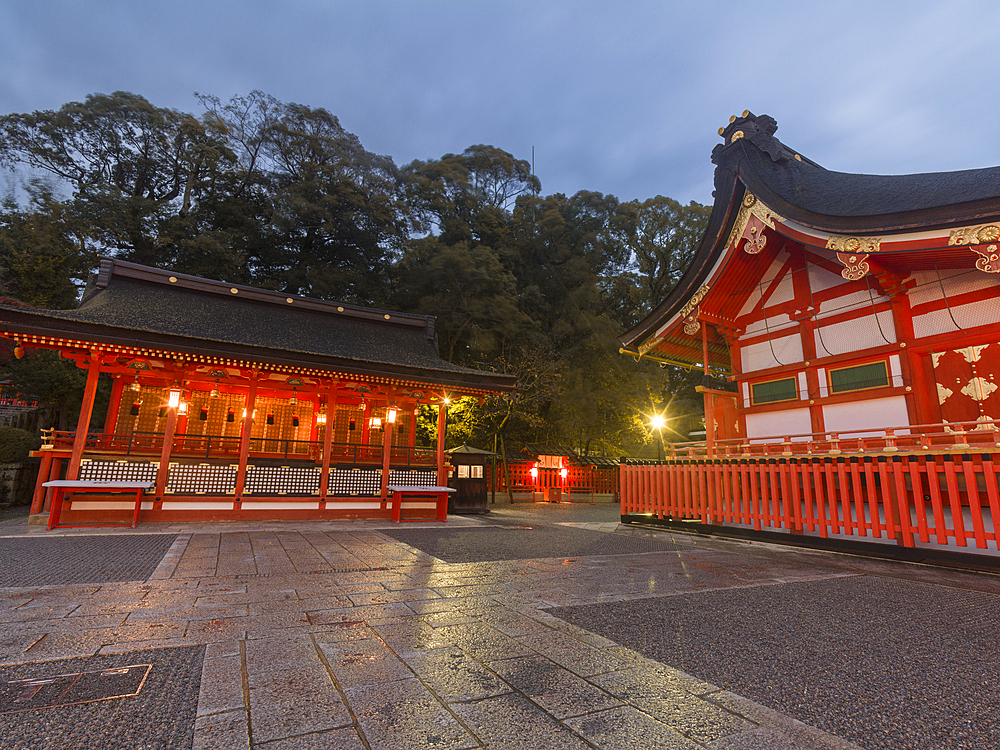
111 267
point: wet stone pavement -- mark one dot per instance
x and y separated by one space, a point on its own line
536 626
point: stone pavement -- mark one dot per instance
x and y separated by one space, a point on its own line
536 626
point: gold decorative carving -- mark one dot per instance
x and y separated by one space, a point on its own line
855 267
694 301
692 326
643 348
975 235
753 217
736 136
989 260
854 245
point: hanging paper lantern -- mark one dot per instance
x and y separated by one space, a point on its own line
231 416
203 414
351 425
163 412
295 421
134 411
270 418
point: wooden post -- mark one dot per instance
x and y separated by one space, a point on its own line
38 498
86 409
241 471
331 418
387 428
709 397
413 425
114 405
168 444
442 474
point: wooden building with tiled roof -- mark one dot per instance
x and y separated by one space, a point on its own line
238 402
848 317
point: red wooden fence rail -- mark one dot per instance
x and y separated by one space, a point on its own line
936 499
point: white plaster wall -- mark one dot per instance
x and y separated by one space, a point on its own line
756 357
865 415
967 316
779 423
855 335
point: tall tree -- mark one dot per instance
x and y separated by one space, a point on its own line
129 165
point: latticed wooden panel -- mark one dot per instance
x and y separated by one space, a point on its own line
201 479
118 471
148 402
282 480
342 429
401 478
350 482
216 410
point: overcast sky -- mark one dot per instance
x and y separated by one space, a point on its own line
617 97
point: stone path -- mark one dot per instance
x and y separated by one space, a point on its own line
339 635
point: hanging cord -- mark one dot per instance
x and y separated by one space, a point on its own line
871 297
945 296
760 288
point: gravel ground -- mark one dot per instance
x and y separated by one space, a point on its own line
160 717
486 543
36 561
886 663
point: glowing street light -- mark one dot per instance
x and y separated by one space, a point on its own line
657 422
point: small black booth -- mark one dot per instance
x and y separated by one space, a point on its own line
468 479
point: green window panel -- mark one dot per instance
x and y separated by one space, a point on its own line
775 390
872 375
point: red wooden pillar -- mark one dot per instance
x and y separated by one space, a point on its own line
86 409
709 397
365 424
442 474
241 471
413 425
168 444
387 428
331 417
43 476
114 405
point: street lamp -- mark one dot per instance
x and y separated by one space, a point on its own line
657 422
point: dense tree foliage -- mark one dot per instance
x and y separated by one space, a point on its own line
280 195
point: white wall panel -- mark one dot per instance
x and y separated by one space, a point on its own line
867 414
778 424
786 350
855 335
967 316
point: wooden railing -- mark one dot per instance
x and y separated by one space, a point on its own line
927 491
983 435
221 446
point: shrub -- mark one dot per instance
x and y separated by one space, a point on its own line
15 444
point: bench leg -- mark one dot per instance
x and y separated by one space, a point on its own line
138 507
56 508
442 507
397 506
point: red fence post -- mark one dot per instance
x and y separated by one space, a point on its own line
972 492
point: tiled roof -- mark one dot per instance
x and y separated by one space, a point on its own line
131 302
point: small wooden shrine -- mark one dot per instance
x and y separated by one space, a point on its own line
840 318
238 402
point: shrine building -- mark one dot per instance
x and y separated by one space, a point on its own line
239 403
847 328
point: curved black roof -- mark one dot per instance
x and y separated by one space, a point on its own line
844 203
800 190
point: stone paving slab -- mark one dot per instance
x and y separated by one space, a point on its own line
514 543
341 635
